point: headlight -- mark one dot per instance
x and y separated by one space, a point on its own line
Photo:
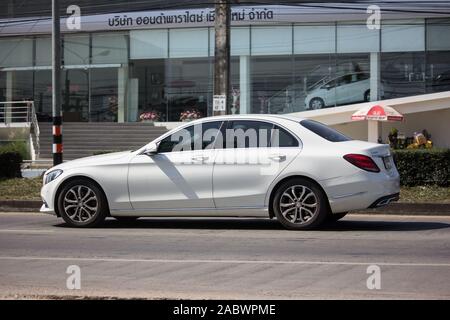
52 175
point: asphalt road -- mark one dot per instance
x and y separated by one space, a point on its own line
226 258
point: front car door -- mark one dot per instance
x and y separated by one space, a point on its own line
244 169
179 176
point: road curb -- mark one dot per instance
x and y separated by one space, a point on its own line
403 208
20 205
399 208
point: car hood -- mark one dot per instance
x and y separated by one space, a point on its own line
92 160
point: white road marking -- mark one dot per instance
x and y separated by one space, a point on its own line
297 262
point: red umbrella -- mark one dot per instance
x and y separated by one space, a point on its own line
378 113
374 114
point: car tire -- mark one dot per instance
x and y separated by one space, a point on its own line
316 103
367 96
333 217
300 204
82 204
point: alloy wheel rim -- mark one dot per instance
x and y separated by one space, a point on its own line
80 204
298 204
316 104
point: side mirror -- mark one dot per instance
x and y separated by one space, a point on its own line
151 149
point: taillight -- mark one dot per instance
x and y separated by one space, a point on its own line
362 161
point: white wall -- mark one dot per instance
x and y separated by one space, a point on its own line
436 122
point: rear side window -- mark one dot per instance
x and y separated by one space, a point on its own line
324 131
282 138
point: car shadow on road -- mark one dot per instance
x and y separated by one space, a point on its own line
380 225
266 224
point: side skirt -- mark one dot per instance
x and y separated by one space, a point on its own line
194 212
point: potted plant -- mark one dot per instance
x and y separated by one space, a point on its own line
150 116
190 114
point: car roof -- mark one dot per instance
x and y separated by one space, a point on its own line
254 116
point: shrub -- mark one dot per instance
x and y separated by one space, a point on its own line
16 147
10 165
423 167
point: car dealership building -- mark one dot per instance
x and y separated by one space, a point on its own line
284 59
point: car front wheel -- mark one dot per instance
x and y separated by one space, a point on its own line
81 203
299 204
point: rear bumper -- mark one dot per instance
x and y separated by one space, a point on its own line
361 191
384 201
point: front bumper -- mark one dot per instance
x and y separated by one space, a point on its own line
45 209
47 195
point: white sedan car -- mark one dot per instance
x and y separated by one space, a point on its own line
297 170
349 88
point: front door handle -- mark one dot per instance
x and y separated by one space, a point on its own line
200 158
277 157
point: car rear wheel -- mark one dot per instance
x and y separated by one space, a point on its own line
82 204
300 204
316 103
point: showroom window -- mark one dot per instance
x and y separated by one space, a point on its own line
109 48
43 51
314 39
356 37
16 52
76 49
402 74
188 43
273 40
43 94
188 88
438 55
104 99
149 44
403 35
271 80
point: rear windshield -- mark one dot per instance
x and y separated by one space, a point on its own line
324 131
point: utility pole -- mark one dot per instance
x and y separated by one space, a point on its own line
56 85
222 57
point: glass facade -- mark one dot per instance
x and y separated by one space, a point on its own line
118 76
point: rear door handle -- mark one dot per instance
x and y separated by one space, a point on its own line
277 157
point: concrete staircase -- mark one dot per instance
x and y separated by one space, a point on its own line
82 139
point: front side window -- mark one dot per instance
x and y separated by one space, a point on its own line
196 137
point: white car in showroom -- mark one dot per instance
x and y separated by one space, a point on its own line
348 88
300 171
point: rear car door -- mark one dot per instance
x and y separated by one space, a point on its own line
244 169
